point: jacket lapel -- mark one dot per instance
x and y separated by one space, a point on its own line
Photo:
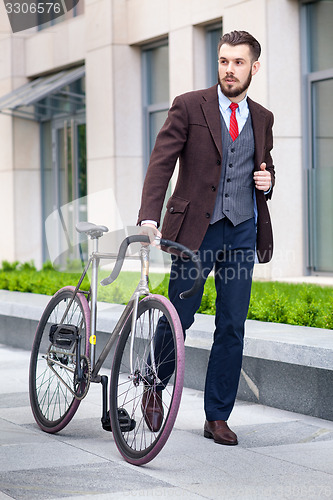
258 124
210 108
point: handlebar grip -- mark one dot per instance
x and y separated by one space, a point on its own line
195 259
136 238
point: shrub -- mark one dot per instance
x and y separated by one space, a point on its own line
9 266
328 317
272 306
27 266
48 266
306 309
301 304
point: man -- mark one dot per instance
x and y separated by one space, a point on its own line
223 141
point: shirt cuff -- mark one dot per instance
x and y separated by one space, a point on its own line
148 222
270 189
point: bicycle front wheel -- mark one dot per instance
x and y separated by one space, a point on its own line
54 385
143 362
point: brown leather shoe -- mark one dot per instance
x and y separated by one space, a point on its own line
152 409
220 432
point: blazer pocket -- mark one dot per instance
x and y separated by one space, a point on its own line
176 209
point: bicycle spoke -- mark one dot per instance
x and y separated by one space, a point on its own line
142 443
52 368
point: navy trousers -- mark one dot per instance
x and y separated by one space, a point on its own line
231 251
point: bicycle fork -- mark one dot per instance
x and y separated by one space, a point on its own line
142 289
148 378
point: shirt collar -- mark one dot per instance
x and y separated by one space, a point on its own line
224 102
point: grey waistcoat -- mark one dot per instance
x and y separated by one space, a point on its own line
235 192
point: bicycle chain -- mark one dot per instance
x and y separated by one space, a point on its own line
77 395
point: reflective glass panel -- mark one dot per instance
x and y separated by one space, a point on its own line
157 74
320 34
322 175
213 36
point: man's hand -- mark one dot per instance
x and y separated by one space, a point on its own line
151 231
262 178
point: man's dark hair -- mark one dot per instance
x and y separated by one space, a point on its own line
241 38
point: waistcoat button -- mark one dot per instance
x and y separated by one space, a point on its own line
218 162
171 210
207 215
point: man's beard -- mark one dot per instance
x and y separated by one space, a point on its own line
235 92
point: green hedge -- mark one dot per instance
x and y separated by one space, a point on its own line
295 304
25 278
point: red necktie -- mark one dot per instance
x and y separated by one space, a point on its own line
233 129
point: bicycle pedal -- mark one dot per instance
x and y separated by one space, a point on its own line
63 336
126 423
106 423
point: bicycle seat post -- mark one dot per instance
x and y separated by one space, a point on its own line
93 317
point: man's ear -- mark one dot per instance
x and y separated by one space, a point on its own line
255 67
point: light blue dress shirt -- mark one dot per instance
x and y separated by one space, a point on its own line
242 112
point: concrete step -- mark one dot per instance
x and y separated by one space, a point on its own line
284 366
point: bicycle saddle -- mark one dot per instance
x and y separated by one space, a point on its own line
91 229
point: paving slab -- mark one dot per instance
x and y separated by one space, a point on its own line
281 455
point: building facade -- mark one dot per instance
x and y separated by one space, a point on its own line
83 97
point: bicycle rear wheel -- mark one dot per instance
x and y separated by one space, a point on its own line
135 439
54 387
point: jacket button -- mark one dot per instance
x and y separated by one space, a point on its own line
228 180
226 195
218 162
171 210
230 165
207 215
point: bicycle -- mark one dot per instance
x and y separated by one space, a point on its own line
63 363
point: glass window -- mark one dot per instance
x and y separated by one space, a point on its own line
319 141
321 180
64 187
320 34
156 92
157 66
67 101
155 59
213 35
64 171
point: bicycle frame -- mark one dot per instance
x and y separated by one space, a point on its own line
142 289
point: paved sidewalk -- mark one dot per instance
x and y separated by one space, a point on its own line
280 454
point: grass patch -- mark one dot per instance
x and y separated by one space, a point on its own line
294 304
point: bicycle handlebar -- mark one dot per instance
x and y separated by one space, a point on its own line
194 258
140 238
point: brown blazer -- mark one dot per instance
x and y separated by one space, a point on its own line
192 134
